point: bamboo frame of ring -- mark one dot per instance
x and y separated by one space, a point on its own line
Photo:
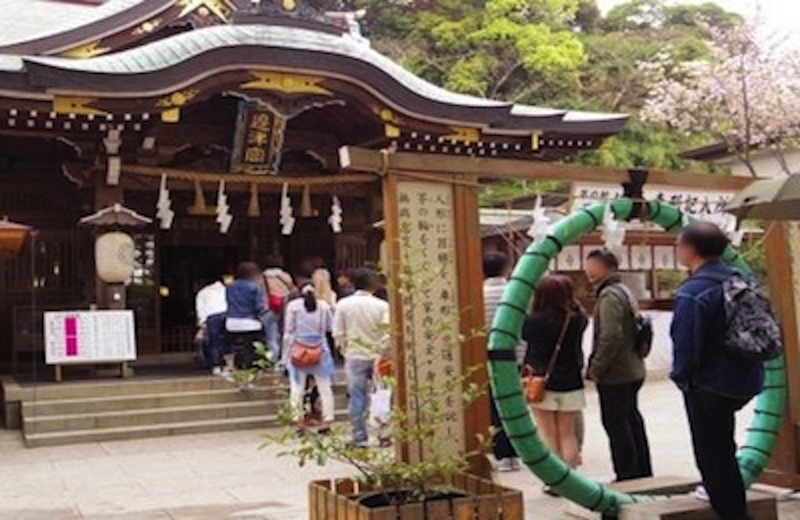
762 435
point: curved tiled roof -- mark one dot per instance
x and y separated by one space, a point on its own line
26 20
182 47
155 67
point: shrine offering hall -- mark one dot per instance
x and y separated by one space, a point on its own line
214 132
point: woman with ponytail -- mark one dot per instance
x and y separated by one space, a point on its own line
308 323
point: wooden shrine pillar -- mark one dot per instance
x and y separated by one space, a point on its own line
435 269
783 262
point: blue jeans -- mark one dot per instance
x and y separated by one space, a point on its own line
359 376
272 332
215 339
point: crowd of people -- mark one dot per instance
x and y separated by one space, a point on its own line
714 379
307 328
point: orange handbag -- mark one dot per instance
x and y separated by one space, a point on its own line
308 355
535 386
305 355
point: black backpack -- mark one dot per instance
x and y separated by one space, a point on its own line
752 331
643 334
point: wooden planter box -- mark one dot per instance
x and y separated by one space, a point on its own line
338 500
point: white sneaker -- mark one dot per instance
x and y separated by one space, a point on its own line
505 466
216 371
700 493
515 464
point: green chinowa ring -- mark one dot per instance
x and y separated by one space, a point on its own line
505 334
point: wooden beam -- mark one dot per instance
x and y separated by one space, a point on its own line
375 161
246 179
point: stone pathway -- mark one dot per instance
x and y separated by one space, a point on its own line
226 476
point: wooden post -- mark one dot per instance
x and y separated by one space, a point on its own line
392 232
783 263
470 288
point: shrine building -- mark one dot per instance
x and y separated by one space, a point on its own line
152 109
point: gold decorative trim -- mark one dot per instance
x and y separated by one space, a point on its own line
75 105
535 140
147 27
178 99
173 115
286 83
387 116
218 8
464 134
391 131
87 50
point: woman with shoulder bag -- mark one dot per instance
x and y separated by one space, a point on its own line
554 365
307 325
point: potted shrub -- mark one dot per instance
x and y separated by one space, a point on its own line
385 487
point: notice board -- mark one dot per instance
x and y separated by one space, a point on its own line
431 314
89 337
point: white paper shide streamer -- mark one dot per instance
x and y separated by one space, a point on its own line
164 211
335 220
541 225
613 231
224 217
735 233
287 214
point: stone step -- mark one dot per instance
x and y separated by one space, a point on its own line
154 416
94 389
151 401
154 430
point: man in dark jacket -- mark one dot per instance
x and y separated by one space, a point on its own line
617 369
715 384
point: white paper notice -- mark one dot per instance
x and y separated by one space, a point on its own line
89 337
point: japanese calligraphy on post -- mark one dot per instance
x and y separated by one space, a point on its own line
258 141
430 302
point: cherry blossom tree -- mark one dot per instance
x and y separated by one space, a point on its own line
746 93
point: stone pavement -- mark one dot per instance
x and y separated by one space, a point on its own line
222 476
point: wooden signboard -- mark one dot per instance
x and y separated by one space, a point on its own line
430 301
434 264
89 337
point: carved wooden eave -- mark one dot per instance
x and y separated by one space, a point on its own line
292 69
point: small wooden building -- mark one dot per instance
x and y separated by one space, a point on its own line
188 98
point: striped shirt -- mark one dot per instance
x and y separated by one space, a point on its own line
493 289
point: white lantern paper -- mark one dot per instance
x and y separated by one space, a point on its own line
114 257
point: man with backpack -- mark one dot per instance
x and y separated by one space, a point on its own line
722 331
617 367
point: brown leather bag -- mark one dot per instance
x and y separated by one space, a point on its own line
535 386
308 355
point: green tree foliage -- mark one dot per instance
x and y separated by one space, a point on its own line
561 53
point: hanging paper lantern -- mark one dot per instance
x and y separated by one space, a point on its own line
114 257
335 220
540 227
287 218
